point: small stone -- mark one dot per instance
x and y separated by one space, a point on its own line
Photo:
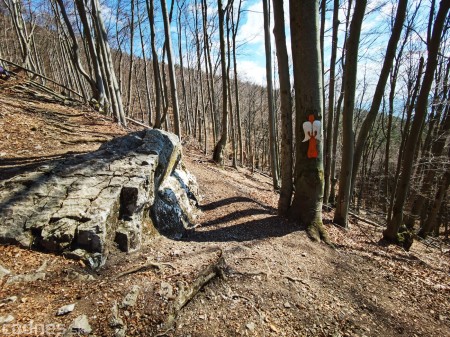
442 317
166 290
79 326
304 254
32 277
131 298
10 299
287 305
203 317
65 309
3 272
6 319
250 326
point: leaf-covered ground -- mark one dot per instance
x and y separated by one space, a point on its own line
275 281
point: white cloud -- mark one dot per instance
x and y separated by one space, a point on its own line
252 71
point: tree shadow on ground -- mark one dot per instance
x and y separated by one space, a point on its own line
11 167
228 201
271 226
235 216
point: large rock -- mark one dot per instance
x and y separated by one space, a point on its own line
130 188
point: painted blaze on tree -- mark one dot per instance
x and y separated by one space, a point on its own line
306 207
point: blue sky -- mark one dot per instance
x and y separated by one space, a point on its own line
251 53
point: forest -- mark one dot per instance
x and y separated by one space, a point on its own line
383 148
342 106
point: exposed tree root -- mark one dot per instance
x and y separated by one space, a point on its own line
317 233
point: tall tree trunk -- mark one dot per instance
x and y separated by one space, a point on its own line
331 86
379 90
156 73
235 26
272 130
286 109
172 75
351 63
390 234
307 204
131 58
219 150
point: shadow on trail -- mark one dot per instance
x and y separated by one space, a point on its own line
228 201
269 227
236 215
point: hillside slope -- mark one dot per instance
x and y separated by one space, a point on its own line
274 280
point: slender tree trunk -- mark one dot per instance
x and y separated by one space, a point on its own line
272 130
351 62
286 109
131 58
329 137
172 75
156 73
379 90
219 150
390 234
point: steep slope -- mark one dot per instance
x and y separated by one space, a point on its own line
273 280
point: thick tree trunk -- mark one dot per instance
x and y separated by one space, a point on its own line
307 204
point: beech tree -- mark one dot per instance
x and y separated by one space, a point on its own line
307 203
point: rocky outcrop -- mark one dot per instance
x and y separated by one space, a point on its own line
118 196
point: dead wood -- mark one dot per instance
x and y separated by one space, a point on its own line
148 265
187 293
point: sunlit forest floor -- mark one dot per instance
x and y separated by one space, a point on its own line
275 281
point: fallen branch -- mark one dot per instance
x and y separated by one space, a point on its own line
188 292
138 123
370 222
145 267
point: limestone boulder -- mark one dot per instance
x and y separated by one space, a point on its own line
130 189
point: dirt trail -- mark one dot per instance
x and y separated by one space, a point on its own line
279 283
275 281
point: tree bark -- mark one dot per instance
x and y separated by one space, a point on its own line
219 150
351 63
272 130
286 109
390 234
331 91
172 75
379 90
307 204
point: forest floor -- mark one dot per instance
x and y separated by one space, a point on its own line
275 281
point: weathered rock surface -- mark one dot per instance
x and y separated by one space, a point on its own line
117 195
